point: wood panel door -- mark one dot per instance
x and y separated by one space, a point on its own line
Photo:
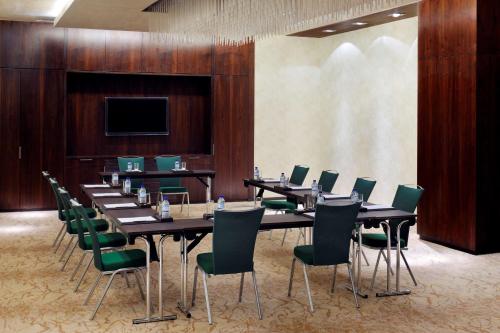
9 138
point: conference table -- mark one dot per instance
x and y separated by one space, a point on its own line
202 227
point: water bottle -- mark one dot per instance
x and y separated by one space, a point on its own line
314 188
320 199
282 180
127 186
114 179
129 166
165 208
142 195
221 203
354 196
256 173
177 165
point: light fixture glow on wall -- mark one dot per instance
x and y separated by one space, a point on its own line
329 30
58 7
397 15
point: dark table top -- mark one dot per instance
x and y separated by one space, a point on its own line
161 174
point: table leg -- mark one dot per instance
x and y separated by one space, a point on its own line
182 304
358 262
398 262
254 197
209 191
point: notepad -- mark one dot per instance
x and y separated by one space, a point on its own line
104 195
121 205
179 170
378 207
133 170
294 187
335 196
137 219
269 180
312 214
96 186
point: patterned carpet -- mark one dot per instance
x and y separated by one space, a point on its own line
457 292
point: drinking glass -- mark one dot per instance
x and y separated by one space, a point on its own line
136 166
183 165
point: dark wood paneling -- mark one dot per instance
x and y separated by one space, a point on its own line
86 49
233 60
189 107
9 138
10 43
488 26
81 171
123 51
157 55
189 59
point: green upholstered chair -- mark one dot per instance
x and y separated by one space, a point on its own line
298 176
332 230
406 199
233 246
327 180
111 263
108 241
170 186
122 165
364 186
63 216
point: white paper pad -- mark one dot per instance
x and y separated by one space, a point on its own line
336 196
121 205
179 169
269 180
137 219
134 170
103 195
293 187
312 214
375 207
96 186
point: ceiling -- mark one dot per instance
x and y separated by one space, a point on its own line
28 10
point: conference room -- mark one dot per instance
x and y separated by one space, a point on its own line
249 166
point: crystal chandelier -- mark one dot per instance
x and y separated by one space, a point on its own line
236 22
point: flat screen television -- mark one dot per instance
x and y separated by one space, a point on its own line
126 116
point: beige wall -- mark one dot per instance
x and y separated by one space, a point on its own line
346 102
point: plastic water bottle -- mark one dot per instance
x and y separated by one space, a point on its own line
354 196
256 173
165 208
114 178
282 180
320 199
177 165
127 186
314 188
129 166
221 203
142 195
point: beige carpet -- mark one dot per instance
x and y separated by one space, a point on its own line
457 292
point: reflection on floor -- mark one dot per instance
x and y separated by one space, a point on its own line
457 292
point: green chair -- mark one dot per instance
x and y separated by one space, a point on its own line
233 244
364 186
63 216
327 180
108 241
332 230
406 199
111 263
122 165
170 186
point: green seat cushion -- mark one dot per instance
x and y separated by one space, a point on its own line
99 226
113 239
378 240
111 261
173 189
278 204
206 262
91 213
305 253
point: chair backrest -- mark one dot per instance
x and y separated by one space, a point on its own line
332 231
327 180
299 174
60 208
234 238
122 165
406 198
364 186
66 200
46 175
167 163
96 247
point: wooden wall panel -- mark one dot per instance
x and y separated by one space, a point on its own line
234 60
9 138
193 60
10 43
157 55
123 51
86 49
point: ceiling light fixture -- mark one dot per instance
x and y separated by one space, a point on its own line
329 30
359 23
397 15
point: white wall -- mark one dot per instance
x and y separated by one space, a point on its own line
346 102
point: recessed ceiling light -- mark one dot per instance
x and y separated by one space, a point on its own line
396 15
360 23
329 30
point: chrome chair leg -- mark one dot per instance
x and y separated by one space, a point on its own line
103 295
136 273
60 242
207 301
270 234
354 290
83 274
284 236
409 269
69 256
188 201
256 289
125 276
242 280
67 248
376 269
195 282
92 289
82 258
291 277
308 290
365 258
334 278
385 258
59 234
182 202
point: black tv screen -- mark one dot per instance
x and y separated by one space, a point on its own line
136 116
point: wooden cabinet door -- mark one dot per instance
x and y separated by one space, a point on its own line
9 139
